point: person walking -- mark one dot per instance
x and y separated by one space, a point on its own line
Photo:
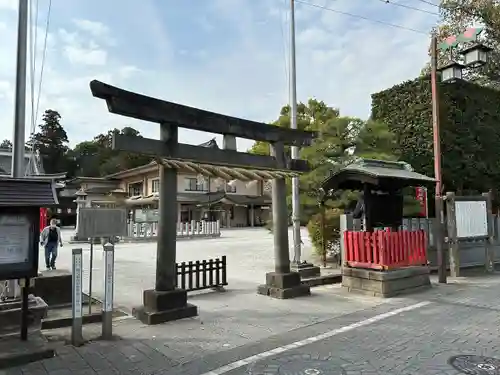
51 239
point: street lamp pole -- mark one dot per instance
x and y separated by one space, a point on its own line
475 55
295 150
439 222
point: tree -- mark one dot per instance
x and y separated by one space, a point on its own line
96 158
470 136
6 144
308 116
341 140
456 17
52 143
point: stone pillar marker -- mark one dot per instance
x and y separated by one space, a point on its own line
166 301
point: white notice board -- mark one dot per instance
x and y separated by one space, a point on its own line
472 219
14 239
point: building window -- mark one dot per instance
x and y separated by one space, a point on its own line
135 189
227 188
193 184
155 187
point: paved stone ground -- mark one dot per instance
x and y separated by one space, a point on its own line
455 319
461 317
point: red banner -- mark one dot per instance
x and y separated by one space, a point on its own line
421 195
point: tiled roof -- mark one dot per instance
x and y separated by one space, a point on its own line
210 144
375 172
16 192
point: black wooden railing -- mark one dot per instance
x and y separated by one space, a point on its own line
199 275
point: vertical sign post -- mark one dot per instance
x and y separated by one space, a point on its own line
77 313
107 306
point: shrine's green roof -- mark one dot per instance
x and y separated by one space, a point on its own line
384 174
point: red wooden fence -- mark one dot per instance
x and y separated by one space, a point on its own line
385 249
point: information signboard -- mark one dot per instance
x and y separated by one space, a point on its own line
14 238
472 219
19 237
102 222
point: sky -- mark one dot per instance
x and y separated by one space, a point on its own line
226 56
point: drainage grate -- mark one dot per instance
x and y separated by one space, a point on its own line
475 364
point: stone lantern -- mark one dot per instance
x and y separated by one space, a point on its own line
81 202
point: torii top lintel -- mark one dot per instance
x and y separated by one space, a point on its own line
142 107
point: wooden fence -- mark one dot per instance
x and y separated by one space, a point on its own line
199 275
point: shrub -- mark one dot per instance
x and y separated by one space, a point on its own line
332 230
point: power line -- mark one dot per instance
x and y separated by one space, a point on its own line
429 3
284 22
44 54
362 17
409 7
35 103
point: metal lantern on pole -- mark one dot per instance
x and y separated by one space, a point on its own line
476 55
451 72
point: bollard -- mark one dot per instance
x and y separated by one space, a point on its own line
107 305
217 227
77 301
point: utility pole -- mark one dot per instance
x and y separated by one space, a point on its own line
20 104
295 149
439 222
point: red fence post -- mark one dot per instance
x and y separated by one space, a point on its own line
368 247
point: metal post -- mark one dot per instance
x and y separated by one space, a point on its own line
167 233
295 149
107 306
280 217
437 162
20 104
77 301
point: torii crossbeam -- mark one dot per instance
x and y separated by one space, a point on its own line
166 301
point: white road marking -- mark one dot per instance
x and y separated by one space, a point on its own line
310 340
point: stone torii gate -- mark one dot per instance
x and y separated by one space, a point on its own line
167 302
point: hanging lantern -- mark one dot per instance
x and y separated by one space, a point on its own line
476 55
451 72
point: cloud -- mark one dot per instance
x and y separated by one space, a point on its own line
228 56
9 4
86 56
95 28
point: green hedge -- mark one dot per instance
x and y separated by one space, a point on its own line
470 130
332 230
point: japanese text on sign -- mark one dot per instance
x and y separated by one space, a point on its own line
14 239
77 286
